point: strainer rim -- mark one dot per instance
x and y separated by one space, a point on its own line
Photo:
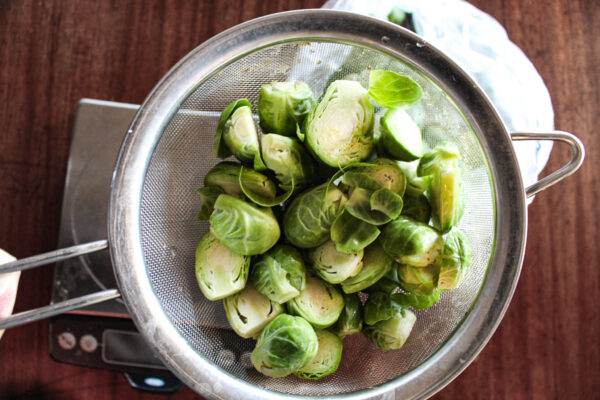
174 88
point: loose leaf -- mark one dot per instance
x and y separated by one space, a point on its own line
350 234
386 202
391 90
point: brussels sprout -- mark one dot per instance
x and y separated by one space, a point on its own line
208 196
376 264
351 319
283 105
416 301
350 234
285 345
220 148
411 242
239 134
385 285
401 136
320 303
226 175
417 208
249 311
280 273
421 281
219 271
380 307
444 155
339 130
391 333
387 173
415 185
289 159
375 208
455 260
332 265
328 357
397 16
308 218
243 227
446 189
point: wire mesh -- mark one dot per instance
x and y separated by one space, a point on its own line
170 231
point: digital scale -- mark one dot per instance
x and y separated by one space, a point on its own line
101 335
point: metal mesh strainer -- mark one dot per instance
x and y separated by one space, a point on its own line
153 231
182 153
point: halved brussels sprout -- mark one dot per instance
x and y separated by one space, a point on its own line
447 198
417 302
339 130
226 175
421 281
392 333
219 271
308 218
411 242
243 227
351 319
332 265
240 135
280 273
379 307
320 303
328 357
415 185
285 345
385 285
417 208
376 263
283 105
289 159
249 311
455 260
220 148
387 173
400 135
446 189
208 196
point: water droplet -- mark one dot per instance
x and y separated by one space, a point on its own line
421 44
245 360
226 358
385 39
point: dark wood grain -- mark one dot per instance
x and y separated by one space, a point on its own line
52 53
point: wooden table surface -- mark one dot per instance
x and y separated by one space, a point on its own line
52 53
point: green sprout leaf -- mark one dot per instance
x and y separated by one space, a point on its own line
391 90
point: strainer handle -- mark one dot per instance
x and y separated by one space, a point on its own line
577 156
63 306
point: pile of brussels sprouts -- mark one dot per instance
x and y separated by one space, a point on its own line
331 200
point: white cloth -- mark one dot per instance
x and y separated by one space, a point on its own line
480 46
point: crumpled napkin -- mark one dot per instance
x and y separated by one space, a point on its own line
480 46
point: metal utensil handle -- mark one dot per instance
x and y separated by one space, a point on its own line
577 156
63 306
